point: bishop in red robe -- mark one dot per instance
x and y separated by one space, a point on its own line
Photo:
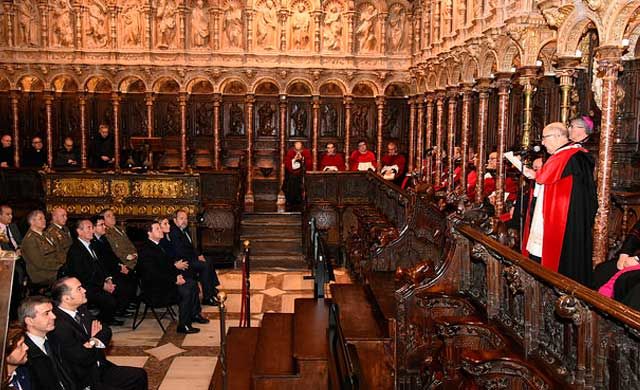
361 158
332 160
394 161
296 162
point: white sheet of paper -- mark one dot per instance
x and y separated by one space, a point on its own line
295 164
330 168
513 160
365 166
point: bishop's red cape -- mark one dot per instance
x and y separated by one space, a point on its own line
569 207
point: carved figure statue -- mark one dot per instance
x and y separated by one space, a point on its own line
97 19
396 28
62 23
300 22
446 15
366 28
267 24
132 22
199 25
166 15
329 121
27 14
236 120
298 121
233 25
359 120
333 28
266 126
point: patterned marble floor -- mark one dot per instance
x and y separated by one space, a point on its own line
174 361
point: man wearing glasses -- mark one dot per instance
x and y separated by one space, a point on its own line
560 234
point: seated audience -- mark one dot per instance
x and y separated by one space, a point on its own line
39 252
6 151
117 237
83 339
67 156
163 282
332 161
362 159
17 374
102 149
60 233
35 156
198 264
394 165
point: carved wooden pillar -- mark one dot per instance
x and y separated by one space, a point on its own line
217 100
315 133
419 105
82 103
347 129
115 101
609 64
566 71
148 99
440 97
412 133
467 93
182 103
15 99
248 198
380 107
48 103
282 201
428 140
249 29
528 76
504 85
451 137
483 107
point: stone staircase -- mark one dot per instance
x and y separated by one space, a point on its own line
276 239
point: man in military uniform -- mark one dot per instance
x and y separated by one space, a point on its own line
59 232
39 252
120 243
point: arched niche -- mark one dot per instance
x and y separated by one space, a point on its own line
299 88
132 84
234 87
397 90
363 89
65 112
133 109
331 89
268 88
331 126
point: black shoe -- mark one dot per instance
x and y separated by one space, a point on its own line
210 302
115 322
187 329
200 319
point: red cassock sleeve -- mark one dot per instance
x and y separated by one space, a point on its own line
291 154
337 160
357 157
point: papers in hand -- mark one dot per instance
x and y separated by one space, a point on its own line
330 168
295 164
365 166
515 161
389 172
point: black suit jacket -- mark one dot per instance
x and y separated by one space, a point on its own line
17 236
106 254
184 248
83 266
157 273
47 372
84 365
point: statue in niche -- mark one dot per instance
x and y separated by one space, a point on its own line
359 121
236 120
97 19
396 28
328 121
300 23
233 25
267 24
132 22
62 23
199 25
266 125
461 13
166 15
332 28
365 32
446 15
27 15
298 121
391 121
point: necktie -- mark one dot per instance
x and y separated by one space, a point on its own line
187 234
78 319
93 254
12 242
47 347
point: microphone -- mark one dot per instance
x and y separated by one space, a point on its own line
533 149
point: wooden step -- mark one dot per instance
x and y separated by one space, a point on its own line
358 315
273 218
270 230
281 260
310 322
376 368
274 353
240 350
383 286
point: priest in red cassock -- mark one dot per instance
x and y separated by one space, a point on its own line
296 162
394 165
362 159
560 233
332 161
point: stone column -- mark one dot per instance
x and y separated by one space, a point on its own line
528 77
44 26
451 137
115 101
249 29
382 19
248 198
380 107
483 107
82 103
347 129
566 71
412 134
281 202
217 100
467 93
48 103
182 103
608 58
440 98
15 99
8 10
315 133
182 26
504 86
114 10
419 105
284 16
77 8
148 12
428 140
215 16
317 18
350 17
148 99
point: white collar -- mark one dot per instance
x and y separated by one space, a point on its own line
72 313
38 341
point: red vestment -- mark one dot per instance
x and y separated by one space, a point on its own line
398 160
357 158
336 160
291 154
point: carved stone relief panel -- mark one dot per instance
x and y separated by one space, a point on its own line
301 26
330 119
362 121
131 31
266 120
166 115
299 119
200 116
233 25
266 25
333 26
233 119
397 29
61 23
199 25
96 24
367 29
166 24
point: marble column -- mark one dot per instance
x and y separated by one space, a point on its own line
467 94
528 78
281 202
609 63
348 101
115 101
412 133
428 158
217 101
452 93
420 136
248 197
315 133
483 107
380 107
566 70
440 98
504 86
48 103
15 99
182 103
148 99
82 103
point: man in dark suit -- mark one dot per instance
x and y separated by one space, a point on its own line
83 339
44 363
83 263
10 240
17 374
198 264
163 283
